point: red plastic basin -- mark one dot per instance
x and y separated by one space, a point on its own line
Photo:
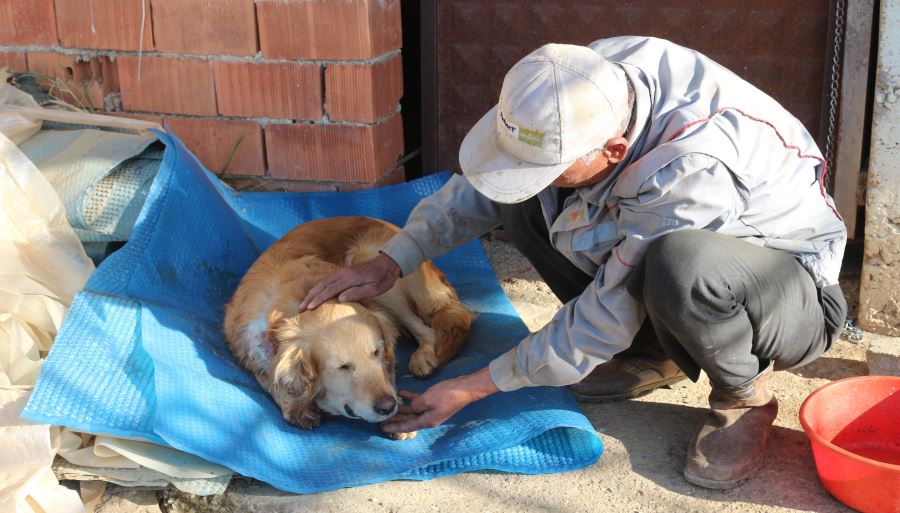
854 427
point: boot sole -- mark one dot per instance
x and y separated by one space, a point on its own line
719 485
631 394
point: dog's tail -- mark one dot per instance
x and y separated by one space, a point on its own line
450 322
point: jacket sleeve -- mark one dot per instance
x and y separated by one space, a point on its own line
452 216
693 192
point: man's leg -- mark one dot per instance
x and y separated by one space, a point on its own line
525 226
639 369
737 311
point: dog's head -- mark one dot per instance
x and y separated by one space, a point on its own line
340 355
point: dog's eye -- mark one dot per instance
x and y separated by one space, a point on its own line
376 352
346 367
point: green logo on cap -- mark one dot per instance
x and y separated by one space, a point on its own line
532 137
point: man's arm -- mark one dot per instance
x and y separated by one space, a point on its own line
449 218
452 216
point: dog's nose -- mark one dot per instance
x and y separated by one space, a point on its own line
386 405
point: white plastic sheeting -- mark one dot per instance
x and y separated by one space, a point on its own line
42 266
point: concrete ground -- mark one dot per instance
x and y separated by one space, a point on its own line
640 471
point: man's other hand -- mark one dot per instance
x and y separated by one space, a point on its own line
439 403
355 283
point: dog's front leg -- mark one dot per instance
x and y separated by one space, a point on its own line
304 413
403 436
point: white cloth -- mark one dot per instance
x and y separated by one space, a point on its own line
27 484
42 266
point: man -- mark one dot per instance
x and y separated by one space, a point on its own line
675 209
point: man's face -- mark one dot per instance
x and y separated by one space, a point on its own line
587 170
595 166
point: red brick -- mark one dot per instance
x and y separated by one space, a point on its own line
277 90
396 176
220 27
14 61
27 22
255 184
104 24
334 152
109 70
363 92
212 140
179 86
87 80
385 26
137 115
328 29
48 63
265 184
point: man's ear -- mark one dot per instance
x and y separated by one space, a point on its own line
615 149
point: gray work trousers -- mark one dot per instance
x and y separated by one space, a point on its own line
713 302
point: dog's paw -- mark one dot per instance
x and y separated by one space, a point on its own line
306 417
423 362
403 436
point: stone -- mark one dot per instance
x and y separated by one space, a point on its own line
879 309
883 355
128 501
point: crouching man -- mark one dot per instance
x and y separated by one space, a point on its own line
679 214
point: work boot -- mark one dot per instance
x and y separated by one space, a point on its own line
729 446
624 378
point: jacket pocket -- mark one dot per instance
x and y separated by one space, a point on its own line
596 239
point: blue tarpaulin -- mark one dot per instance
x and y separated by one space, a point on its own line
141 353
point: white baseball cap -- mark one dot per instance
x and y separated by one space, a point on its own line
557 104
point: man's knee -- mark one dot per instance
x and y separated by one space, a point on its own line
658 266
676 258
683 269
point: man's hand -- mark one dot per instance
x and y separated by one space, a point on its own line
440 402
355 283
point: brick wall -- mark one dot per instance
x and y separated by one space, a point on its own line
306 90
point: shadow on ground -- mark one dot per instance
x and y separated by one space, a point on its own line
655 437
832 368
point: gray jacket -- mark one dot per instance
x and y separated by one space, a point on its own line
707 151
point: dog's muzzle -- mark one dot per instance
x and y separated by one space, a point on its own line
386 405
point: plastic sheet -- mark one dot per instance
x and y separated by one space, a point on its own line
142 355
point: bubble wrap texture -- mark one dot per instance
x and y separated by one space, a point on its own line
113 202
97 177
141 352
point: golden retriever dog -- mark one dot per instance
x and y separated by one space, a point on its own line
339 358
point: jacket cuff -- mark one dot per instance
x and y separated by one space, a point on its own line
507 374
404 250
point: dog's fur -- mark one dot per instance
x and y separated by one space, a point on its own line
339 358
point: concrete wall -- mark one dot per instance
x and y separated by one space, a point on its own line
880 285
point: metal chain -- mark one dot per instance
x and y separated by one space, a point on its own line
840 13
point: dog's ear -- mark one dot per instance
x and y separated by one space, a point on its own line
389 333
388 329
293 366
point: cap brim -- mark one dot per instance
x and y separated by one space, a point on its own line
497 174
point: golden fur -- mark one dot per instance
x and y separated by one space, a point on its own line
339 358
